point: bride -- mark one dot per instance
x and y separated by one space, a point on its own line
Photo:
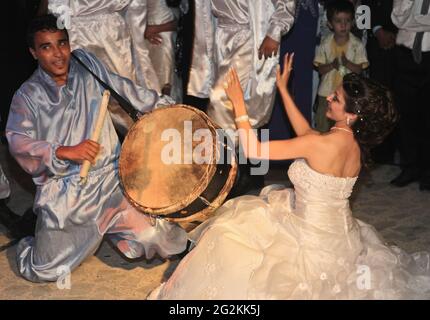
303 243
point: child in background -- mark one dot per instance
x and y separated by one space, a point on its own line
339 53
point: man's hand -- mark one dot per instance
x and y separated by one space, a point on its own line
86 150
386 39
268 48
152 32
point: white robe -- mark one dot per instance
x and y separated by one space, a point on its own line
163 55
229 34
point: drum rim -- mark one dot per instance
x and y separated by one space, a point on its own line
198 189
215 204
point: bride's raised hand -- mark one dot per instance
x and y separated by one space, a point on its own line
282 77
232 87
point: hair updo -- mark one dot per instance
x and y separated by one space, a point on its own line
374 107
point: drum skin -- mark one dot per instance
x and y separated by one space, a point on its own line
170 184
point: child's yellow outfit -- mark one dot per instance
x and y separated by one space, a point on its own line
326 52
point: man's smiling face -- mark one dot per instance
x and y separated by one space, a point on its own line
52 50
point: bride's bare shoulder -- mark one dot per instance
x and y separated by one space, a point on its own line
333 145
338 139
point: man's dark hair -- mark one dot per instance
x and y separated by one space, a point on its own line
46 22
337 6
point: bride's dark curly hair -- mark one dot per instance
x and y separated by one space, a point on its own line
375 110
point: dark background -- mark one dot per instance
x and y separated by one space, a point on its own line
17 63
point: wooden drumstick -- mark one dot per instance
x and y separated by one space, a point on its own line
96 133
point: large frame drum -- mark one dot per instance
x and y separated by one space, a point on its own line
175 164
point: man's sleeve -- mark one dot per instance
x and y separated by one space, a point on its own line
282 19
406 15
35 156
140 97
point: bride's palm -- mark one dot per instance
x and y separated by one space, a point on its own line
233 88
282 77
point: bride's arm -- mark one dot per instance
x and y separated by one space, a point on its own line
300 147
300 124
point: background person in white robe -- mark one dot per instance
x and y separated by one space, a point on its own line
411 87
160 34
247 36
244 34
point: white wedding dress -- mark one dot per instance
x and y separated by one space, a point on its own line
295 244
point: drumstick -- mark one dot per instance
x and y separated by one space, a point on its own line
96 133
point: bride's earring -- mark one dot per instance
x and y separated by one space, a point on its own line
348 121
